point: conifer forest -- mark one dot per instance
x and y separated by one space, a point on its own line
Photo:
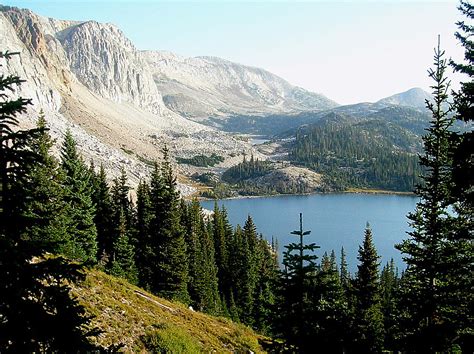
62 217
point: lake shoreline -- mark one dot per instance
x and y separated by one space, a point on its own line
349 191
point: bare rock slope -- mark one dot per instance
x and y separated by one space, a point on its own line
204 87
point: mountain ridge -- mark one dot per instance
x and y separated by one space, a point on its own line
220 88
414 97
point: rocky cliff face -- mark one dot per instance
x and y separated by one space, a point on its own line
107 63
208 86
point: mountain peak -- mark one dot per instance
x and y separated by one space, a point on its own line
414 97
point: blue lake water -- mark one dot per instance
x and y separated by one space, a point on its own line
335 220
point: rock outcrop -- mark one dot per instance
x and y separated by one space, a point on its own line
292 179
108 64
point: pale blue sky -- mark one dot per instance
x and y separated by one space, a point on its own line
351 51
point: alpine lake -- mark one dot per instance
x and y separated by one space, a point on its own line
335 221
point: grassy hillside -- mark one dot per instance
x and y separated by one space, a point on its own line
137 320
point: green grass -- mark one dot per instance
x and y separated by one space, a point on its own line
165 338
139 321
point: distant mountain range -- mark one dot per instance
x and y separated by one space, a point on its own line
122 104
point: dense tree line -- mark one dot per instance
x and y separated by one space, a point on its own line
60 215
171 248
201 160
244 179
247 169
358 155
322 303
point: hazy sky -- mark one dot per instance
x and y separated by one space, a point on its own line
351 51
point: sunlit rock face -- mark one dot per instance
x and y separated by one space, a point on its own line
208 86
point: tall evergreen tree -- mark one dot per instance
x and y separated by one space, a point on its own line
46 192
36 311
296 321
345 276
103 217
203 284
265 292
80 208
223 237
369 331
330 310
427 299
389 283
464 111
246 281
145 250
121 200
461 245
235 247
171 277
123 253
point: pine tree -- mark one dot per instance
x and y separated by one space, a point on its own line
222 235
203 284
80 208
345 276
369 331
461 245
123 254
330 310
464 105
171 276
103 218
297 297
389 287
265 292
427 299
46 192
145 250
247 279
236 245
121 200
36 311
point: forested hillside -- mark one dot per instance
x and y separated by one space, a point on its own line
370 154
371 146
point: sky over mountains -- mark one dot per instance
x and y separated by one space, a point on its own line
349 51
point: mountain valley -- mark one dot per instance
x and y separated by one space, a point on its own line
123 105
